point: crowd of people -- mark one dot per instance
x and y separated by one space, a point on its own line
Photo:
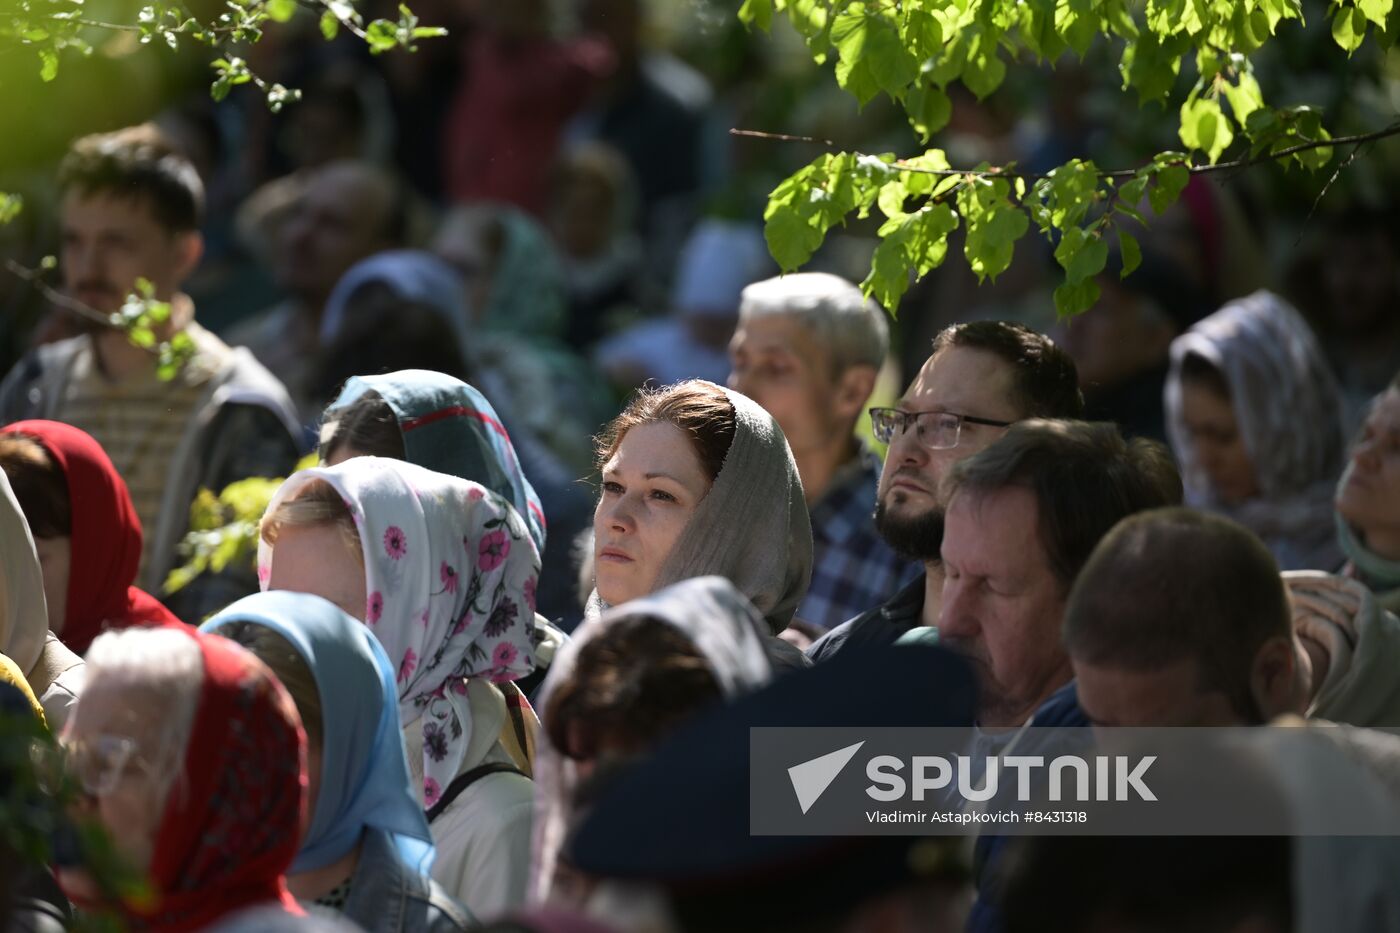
460 684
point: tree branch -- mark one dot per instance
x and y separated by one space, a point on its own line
35 277
994 172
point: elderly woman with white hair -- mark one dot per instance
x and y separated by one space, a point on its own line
192 757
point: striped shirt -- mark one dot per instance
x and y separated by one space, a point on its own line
140 422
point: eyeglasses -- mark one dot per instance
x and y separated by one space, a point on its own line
934 430
99 762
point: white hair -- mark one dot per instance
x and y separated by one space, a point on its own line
851 327
163 661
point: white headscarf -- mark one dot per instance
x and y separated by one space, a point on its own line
450 573
724 627
752 527
1289 412
24 615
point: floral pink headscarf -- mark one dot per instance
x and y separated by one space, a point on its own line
450 571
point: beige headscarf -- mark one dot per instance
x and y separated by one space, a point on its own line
752 527
24 615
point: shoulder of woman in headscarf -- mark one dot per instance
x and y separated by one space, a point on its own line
24 617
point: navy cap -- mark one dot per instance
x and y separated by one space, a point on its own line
680 816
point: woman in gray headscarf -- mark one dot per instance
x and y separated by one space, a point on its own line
1255 419
698 480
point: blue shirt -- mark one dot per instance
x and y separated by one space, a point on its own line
853 569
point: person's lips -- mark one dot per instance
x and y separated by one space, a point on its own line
614 555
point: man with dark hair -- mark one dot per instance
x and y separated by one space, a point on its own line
980 378
1216 637
131 210
1023 517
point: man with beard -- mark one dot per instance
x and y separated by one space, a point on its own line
131 210
980 378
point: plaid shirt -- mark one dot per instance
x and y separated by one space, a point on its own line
853 569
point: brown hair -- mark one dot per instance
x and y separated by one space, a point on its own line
367 424
1173 584
40 487
700 409
1085 478
1201 371
317 503
631 686
1046 382
289 667
140 164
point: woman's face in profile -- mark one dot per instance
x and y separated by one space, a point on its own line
651 487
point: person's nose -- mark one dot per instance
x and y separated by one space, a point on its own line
82 262
956 618
1366 456
620 515
905 449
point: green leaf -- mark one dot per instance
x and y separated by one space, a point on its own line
48 64
330 26
1151 65
984 70
815 198
1132 191
428 32
279 11
993 225
757 13
872 57
1375 10
1071 192
10 206
1075 298
921 33
1171 179
929 109
910 246
381 35
1131 252
220 88
1081 254
1349 28
1205 127
1245 97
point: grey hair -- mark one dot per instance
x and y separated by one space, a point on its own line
162 661
834 311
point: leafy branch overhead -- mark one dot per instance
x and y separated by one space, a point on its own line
52 28
913 50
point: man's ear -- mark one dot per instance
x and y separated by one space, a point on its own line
189 248
1274 680
853 390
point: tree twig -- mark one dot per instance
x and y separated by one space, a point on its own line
901 165
35 277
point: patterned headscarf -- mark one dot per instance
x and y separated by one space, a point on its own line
232 825
450 427
1289 412
450 573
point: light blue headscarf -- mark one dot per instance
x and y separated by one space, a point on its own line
449 427
364 768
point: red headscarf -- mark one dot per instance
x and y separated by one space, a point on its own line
232 827
106 538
